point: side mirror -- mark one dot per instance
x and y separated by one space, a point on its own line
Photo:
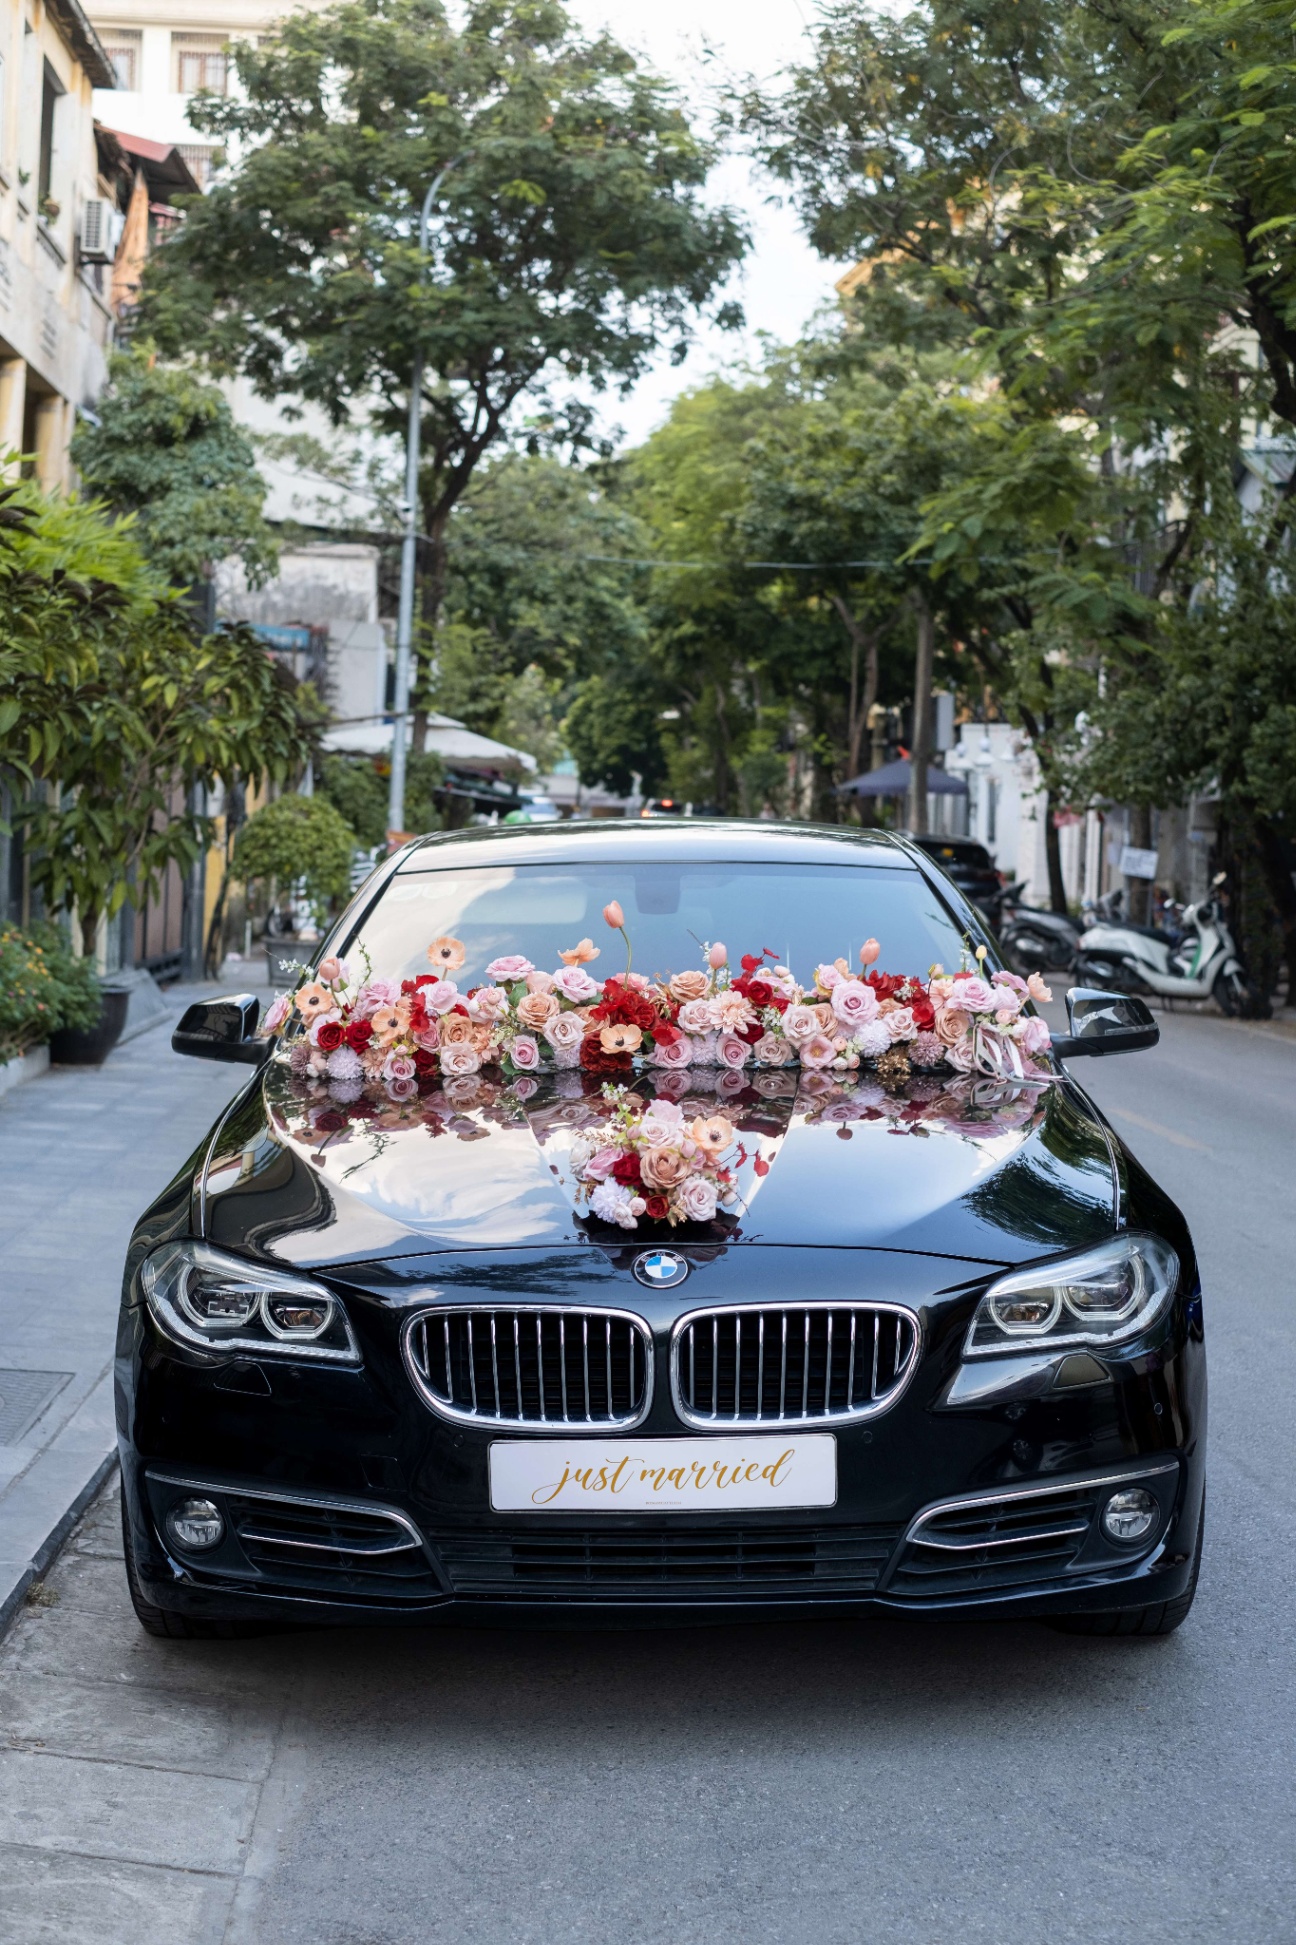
1105 1023
223 1029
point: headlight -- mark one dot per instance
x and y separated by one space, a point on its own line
1097 1297
203 1298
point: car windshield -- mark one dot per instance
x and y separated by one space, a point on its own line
804 914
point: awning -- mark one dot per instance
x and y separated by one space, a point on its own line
892 780
459 747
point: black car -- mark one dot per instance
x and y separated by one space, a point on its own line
972 869
378 1362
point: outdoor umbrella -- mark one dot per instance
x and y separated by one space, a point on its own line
892 780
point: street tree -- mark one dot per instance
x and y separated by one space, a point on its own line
165 447
571 243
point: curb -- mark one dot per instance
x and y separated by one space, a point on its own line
89 1469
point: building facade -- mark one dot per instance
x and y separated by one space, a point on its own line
57 230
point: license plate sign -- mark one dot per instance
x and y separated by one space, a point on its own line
665 1475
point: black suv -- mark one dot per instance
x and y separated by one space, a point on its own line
972 869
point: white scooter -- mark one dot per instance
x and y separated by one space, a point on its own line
1203 964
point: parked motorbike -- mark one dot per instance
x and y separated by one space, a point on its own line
1033 939
1201 964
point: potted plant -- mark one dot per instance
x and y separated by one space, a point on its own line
297 844
48 996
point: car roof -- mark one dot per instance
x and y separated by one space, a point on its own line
673 840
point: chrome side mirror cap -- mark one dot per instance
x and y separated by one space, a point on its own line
223 1029
1105 1023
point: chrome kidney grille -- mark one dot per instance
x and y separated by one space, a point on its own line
532 1366
802 1365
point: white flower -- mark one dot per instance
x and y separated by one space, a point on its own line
696 1016
344 1065
900 1024
872 1040
566 1057
799 1022
564 1032
611 1201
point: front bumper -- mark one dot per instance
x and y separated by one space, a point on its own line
347 1500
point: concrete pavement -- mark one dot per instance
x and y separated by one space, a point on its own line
82 1152
926 1783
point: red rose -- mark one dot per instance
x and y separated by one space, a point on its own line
331 1122
330 1036
425 1062
758 991
665 1034
626 1169
751 1034
657 1207
924 1013
358 1035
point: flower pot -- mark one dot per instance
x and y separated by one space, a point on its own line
284 957
88 1046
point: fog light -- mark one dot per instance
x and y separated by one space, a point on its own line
196 1524
1130 1515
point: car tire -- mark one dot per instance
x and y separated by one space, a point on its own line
1162 1618
160 1621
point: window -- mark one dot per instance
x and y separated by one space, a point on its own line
51 89
200 62
123 50
199 161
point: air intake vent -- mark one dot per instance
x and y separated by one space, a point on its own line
812 1364
97 240
537 1366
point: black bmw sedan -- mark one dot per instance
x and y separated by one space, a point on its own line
673 1220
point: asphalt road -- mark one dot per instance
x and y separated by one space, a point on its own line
830 1784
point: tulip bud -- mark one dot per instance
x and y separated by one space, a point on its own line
717 956
869 951
614 916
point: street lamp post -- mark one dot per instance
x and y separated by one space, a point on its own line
409 545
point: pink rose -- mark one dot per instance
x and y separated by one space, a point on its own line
512 966
277 1013
679 1054
732 1051
854 1003
600 1164
799 1022
1038 991
826 977
772 1050
461 1058
402 1090
973 994
900 1024
488 1004
399 1067
536 1010
818 1051
695 1016
1036 1038
429 1039
563 1031
524 1052
575 984
662 1122
539 982
688 986
696 1199
662 1168
440 996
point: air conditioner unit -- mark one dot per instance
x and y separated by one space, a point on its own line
99 230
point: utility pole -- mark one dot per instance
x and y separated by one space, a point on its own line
920 756
409 546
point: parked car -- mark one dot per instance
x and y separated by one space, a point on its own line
381 1360
972 869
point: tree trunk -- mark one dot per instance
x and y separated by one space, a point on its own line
920 755
89 933
1138 891
1053 854
432 586
864 642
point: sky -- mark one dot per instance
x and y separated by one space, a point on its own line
698 43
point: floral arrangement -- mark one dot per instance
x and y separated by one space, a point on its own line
527 1020
651 1160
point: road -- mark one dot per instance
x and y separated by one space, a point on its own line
823 1783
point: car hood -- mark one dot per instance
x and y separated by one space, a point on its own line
308 1175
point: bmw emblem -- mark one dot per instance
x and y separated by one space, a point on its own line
660 1269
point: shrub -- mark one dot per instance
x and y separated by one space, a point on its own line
42 987
298 840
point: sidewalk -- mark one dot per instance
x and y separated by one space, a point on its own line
82 1152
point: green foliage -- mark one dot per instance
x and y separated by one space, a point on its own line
358 792
112 710
295 840
42 987
167 450
571 240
